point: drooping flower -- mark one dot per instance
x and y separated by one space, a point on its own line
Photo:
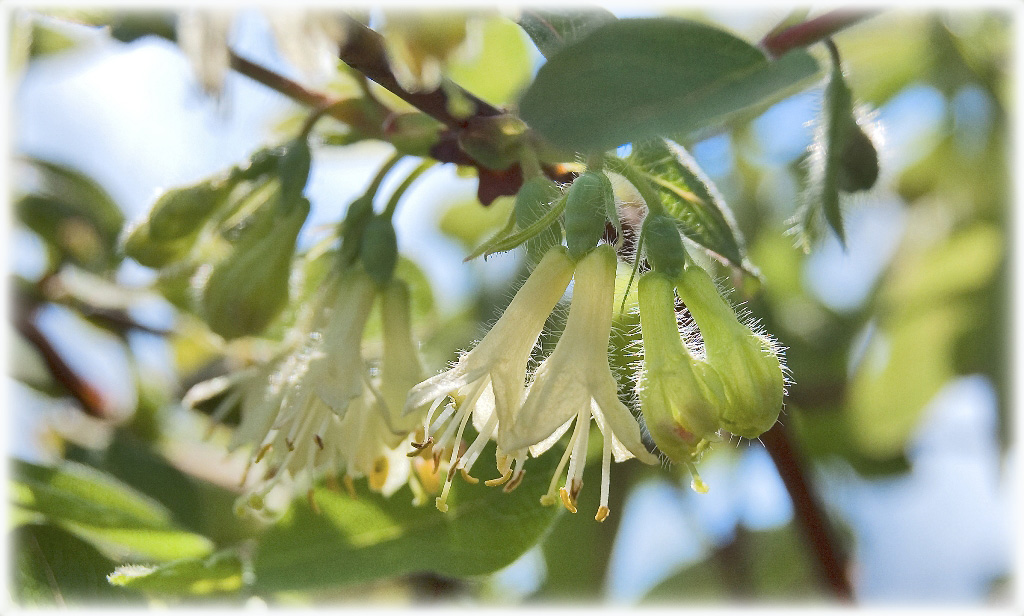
575 383
681 395
747 361
488 382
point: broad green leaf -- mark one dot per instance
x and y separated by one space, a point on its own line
638 78
193 504
500 69
104 511
371 537
52 567
928 302
72 213
690 197
552 29
217 573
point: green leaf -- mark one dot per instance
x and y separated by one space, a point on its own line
690 197
73 214
218 573
552 29
103 511
371 537
53 567
637 78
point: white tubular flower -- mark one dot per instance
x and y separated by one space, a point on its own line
488 382
575 383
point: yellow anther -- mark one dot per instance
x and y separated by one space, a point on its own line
469 478
331 481
512 485
319 441
270 474
312 501
263 451
602 513
566 500
379 474
290 443
350 485
499 480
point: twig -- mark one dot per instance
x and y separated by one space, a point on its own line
812 31
809 515
92 401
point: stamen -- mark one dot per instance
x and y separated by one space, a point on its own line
331 481
289 443
549 498
474 450
263 451
312 501
499 480
606 467
271 473
467 477
350 485
222 411
697 484
566 500
319 441
245 474
518 474
427 442
379 474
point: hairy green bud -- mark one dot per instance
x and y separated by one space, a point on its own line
680 395
180 212
663 246
586 210
358 214
747 362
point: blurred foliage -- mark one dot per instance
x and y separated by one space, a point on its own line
864 375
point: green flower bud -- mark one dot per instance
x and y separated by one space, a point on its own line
858 160
293 169
663 246
680 395
747 362
532 201
247 289
585 212
379 249
182 211
358 214
139 245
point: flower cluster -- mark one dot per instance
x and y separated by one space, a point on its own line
320 407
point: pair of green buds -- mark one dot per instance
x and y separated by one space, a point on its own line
245 223
687 392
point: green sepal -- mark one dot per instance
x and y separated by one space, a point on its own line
533 200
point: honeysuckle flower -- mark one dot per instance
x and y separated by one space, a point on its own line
488 382
681 395
575 383
747 361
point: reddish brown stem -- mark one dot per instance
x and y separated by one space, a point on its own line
91 400
812 30
810 517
